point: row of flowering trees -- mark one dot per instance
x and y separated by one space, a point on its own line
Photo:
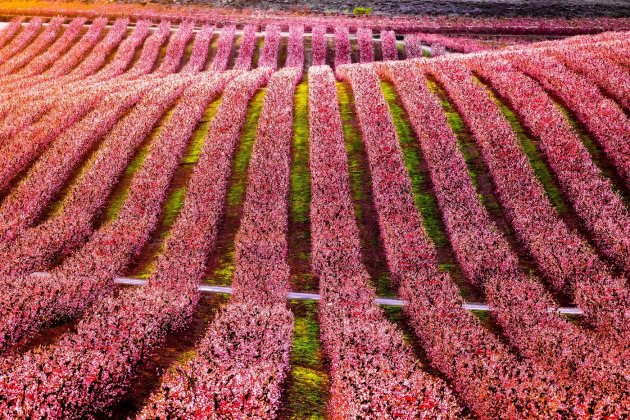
14 26
97 67
574 355
224 48
25 203
244 357
90 368
22 144
200 50
150 51
38 247
295 48
373 372
456 44
488 378
609 75
247 47
22 40
271 47
112 247
35 48
600 208
388 45
413 47
176 48
603 118
76 70
366 45
125 52
431 24
38 64
343 52
319 45
564 257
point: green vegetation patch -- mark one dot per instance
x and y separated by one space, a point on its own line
307 385
362 11
221 272
412 154
300 198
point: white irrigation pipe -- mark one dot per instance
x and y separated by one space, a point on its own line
206 288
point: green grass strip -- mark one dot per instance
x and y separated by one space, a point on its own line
412 154
175 197
307 385
221 273
300 198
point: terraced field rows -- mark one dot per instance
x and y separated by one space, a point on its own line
289 159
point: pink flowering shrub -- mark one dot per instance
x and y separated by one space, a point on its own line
9 31
602 117
455 44
175 49
112 247
413 46
35 249
610 76
90 368
35 48
79 50
591 195
150 51
20 150
488 378
21 40
26 202
124 53
244 356
561 254
98 54
37 65
342 46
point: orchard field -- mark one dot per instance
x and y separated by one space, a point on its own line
207 213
